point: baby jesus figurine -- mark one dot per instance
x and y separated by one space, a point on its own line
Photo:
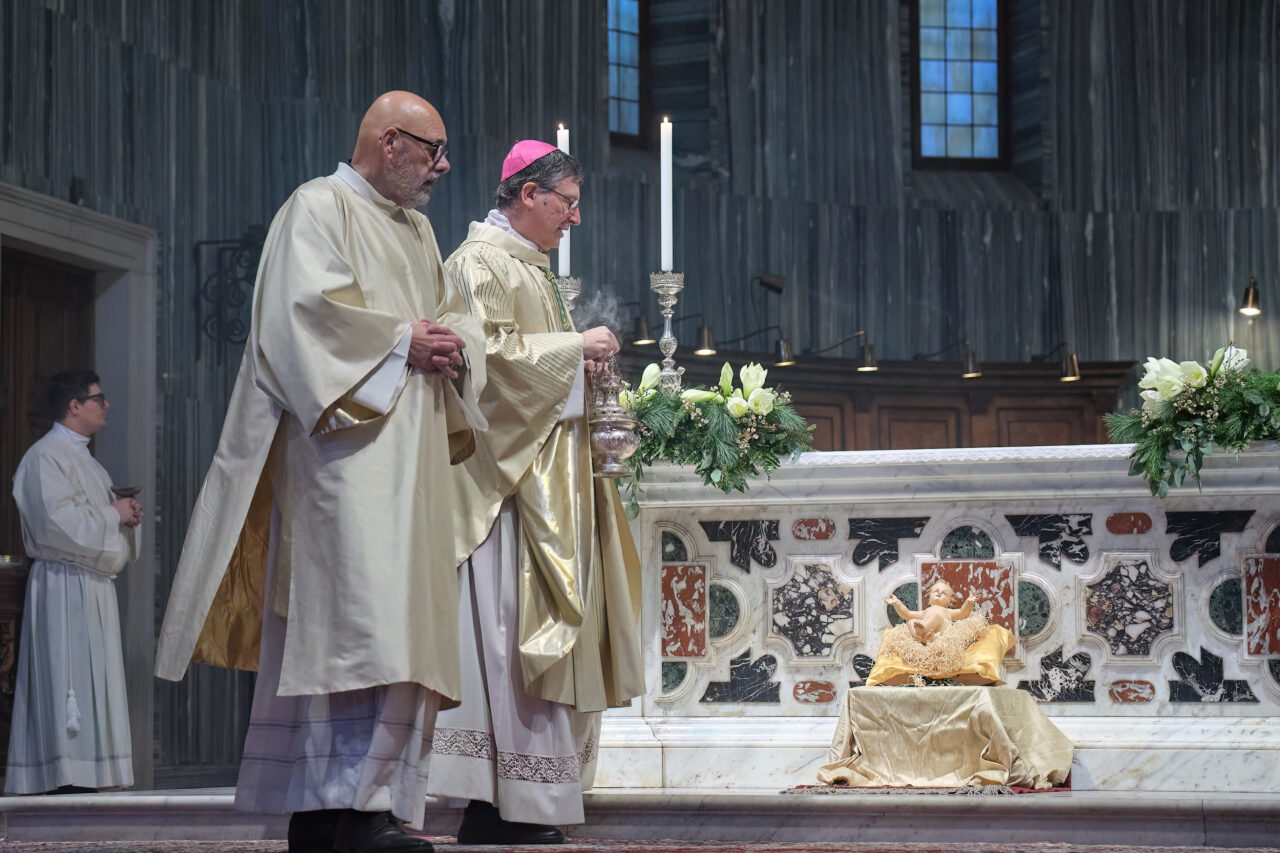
934 639
925 624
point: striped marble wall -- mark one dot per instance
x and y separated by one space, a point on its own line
1143 194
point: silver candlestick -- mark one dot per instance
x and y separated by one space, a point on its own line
667 285
569 286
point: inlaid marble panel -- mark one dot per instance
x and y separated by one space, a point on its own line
813 529
684 611
1200 533
749 681
725 611
748 540
862 666
1273 668
1273 541
812 609
991 581
1202 681
1062 681
813 692
908 594
1131 691
1262 605
878 538
1128 523
673 674
673 548
1034 609
1060 535
1226 607
966 543
1129 607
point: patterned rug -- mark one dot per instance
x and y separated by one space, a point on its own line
445 844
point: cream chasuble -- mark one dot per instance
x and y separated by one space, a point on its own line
364 571
573 532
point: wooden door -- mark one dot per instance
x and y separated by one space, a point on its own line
46 325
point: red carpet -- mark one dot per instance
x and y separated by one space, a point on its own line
445 845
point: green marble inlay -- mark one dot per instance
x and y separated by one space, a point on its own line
724 610
1034 609
673 674
967 543
673 548
1226 607
908 594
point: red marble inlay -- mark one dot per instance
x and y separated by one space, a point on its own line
810 529
684 611
1128 523
993 584
814 692
1132 691
1262 605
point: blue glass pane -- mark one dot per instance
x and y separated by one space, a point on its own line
932 13
986 109
933 108
933 76
957 44
629 82
614 123
629 50
629 15
613 81
985 77
613 46
984 13
986 142
630 117
984 44
959 142
932 43
959 109
958 13
933 141
613 14
959 77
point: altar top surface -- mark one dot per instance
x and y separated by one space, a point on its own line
964 473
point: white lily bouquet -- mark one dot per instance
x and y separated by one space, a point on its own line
1188 408
727 433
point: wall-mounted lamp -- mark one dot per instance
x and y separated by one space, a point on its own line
1251 307
781 346
969 367
866 358
642 335
1069 369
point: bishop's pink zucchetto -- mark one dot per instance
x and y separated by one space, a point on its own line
523 153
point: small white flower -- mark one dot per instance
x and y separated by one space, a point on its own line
761 401
1193 374
1235 359
737 406
726 379
649 379
1150 401
1163 376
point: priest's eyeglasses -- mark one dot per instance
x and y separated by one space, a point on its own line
100 397
572 202
438 148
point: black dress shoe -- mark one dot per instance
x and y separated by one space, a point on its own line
312 832
375 832
482 825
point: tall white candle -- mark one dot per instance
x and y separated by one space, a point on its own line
664 138
562 261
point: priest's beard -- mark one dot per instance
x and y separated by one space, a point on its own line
410 190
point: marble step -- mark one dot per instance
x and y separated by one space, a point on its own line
1132 818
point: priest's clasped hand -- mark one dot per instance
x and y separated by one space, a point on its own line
435 349
129 510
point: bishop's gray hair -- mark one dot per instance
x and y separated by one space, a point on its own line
547 172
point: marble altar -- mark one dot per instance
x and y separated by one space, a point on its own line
1148 630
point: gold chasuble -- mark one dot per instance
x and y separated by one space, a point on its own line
579 572
363 536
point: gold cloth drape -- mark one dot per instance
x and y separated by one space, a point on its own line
579 571
945 737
